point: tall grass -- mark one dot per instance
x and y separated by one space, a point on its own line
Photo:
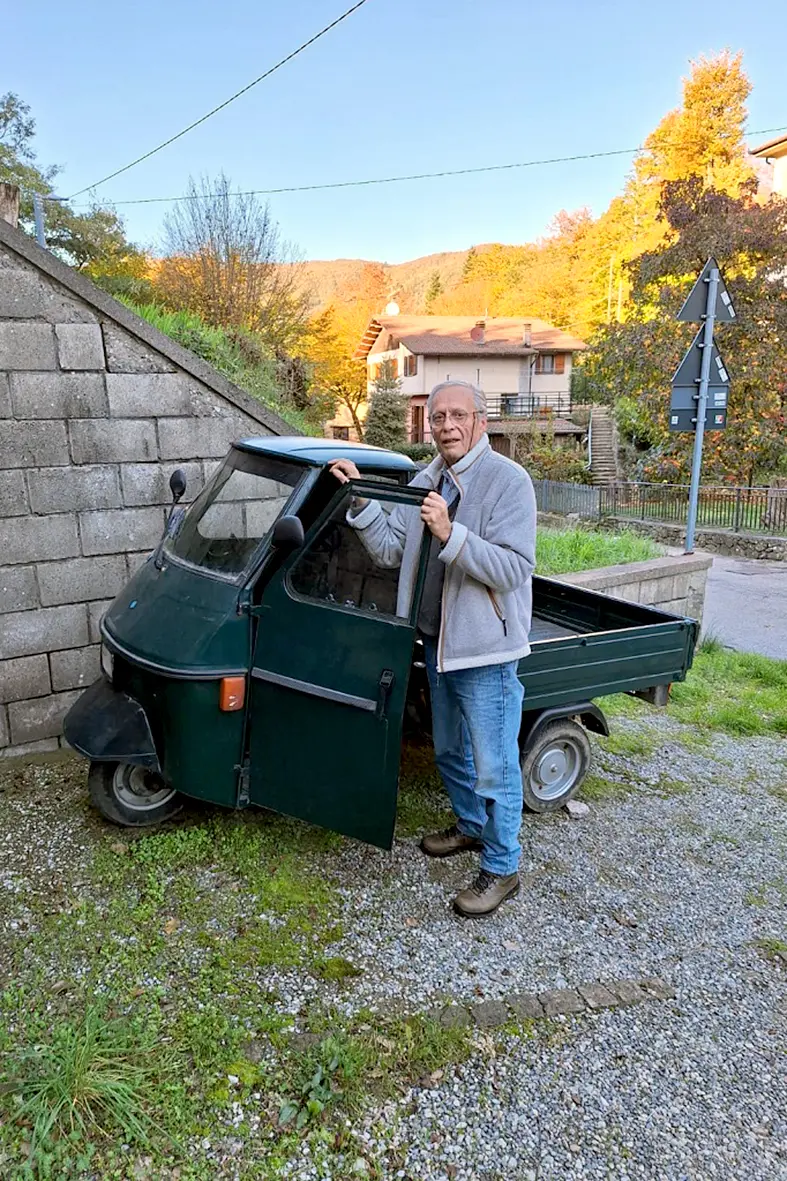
240 356
89 1080
739 693
561 551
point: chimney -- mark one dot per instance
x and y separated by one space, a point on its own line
478 333
527 335
9 204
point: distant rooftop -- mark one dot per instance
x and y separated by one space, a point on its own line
773 148
454 336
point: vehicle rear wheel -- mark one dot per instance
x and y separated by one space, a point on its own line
554 764
131 795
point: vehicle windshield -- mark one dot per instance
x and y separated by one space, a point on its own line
234 512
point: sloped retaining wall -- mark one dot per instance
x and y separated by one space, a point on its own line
97 408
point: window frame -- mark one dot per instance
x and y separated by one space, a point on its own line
370 490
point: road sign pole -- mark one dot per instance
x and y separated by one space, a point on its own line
702 406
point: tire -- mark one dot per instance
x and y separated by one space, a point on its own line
130 795
554 762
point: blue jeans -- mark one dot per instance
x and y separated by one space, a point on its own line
476 717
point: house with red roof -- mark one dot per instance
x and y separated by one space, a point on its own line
523 365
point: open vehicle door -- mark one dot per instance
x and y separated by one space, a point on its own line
330 669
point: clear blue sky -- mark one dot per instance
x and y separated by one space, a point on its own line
401 86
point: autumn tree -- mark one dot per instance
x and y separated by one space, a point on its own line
386 423
634 361
93 241
335 375
227 261
433 291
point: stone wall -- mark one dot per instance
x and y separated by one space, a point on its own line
97 408
673 584
716 541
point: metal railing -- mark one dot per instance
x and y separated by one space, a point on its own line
527 405
741 510
558 496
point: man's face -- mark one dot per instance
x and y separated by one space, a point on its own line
459 425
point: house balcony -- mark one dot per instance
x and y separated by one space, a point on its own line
505 409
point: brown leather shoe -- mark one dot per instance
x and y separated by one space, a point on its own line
486 894
448 842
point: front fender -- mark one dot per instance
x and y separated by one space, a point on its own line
110 727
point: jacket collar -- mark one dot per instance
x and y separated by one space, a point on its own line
438 466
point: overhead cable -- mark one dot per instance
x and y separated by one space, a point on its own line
221 106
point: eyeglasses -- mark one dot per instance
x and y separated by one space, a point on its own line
460 417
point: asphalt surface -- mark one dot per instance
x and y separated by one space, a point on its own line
746 605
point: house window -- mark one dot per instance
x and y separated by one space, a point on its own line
341 432
417 425
550 363
410 365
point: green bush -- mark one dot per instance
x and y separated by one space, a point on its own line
418 451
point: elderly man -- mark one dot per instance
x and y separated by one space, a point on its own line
474 620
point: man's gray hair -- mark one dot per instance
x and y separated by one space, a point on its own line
479 397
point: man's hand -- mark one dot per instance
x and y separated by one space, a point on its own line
344 470
434 514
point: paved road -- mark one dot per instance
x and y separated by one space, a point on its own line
746 605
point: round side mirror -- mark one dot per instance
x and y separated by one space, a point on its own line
288 533
177 484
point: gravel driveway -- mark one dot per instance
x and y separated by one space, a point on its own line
679 871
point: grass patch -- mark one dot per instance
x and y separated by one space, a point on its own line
739 693
773 949
598 789
626 742
89 1079
561 551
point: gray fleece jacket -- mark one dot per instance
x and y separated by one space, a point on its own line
489 556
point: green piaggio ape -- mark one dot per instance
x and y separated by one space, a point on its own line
260 657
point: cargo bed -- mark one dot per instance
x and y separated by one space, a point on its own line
586 645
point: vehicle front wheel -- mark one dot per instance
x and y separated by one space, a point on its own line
131 795
554 765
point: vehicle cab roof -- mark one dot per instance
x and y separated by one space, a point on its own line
317 452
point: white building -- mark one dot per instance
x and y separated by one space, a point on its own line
774 153
523 365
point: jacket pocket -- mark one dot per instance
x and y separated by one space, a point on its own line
498 609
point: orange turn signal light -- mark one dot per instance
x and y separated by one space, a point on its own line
232 693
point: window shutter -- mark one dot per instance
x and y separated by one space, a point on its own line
560 363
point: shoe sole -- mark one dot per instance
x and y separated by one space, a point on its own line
482 914
476 847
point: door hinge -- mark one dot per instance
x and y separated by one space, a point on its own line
243 785
384 687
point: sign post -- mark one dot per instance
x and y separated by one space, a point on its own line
702 406
701 382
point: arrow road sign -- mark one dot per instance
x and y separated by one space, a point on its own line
685 397
688 372
695 306
686 420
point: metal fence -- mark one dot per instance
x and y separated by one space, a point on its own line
527 405
741 510
555 496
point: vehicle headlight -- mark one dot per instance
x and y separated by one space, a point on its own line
107 662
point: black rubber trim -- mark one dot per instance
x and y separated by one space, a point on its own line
178 674
367 703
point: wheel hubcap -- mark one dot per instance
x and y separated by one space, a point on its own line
555 770
139 789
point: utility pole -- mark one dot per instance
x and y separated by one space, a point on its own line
38 215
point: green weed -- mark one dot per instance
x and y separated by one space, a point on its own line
595 787
559 551
739 693
774 949
626 742
89 1079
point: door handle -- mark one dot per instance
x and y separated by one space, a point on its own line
384 687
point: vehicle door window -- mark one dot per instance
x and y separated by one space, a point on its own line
336 568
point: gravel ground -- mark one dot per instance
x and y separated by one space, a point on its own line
678 877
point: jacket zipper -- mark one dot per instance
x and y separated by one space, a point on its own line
498 611
441 637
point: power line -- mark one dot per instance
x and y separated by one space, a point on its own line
388 180
221 106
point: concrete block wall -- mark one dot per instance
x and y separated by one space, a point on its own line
671 584
93 420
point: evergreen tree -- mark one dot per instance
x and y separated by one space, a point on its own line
434 290
386 422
